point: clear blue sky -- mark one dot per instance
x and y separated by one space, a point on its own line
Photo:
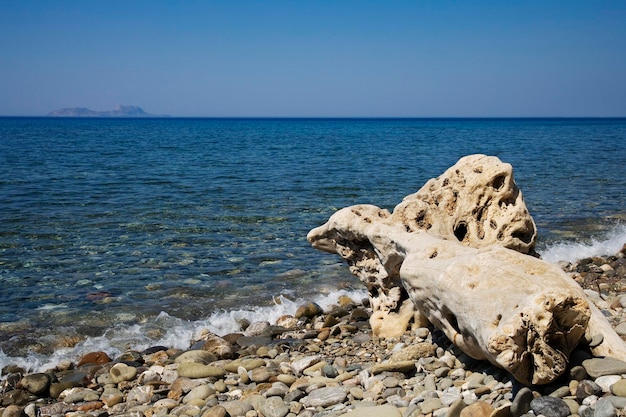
315 58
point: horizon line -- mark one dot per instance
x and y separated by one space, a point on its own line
315 117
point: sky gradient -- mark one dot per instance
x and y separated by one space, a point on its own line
316 58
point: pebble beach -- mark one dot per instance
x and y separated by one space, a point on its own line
325 362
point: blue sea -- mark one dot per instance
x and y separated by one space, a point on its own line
129 233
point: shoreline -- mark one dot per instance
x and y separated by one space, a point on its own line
323 363
26 343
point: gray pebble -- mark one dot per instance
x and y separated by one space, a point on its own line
550 407
604 408
430 404
597 367
36 383
521 403
294 395
274 407
586 388
578 373
618 402
324 397
330 371
586 411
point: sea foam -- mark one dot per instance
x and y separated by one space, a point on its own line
609 244
172 332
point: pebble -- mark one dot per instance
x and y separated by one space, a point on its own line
587 388
37 383
323 397
456 408
122 372
274 407
604 408
620 329
597 367
198 370
618 388
604 383
301 364
550 407
478 409
400 366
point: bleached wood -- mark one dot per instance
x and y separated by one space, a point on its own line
520 313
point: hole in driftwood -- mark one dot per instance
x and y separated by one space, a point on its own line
498 182
460 231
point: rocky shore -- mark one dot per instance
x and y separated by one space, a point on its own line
327 363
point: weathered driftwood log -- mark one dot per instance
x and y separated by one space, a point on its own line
441 257
516 311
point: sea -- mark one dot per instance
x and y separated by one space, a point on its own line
121 234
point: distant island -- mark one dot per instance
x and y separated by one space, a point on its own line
118 111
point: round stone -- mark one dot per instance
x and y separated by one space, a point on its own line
357 393
98 358
324 397
261 374
12 411
561 392
330 371
122 372
36 383
430 404
422 332
274 407
258 328
215 411
300 365
586 388
604 408
111 396
286 378
619 388
201 392
142 394
550 407
166 403
77 395
578 373
217 346
308 310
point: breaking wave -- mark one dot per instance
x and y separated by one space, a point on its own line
171 332
609 244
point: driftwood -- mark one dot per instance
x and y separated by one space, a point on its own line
494 303
475 202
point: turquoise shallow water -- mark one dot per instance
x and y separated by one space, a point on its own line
106 223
